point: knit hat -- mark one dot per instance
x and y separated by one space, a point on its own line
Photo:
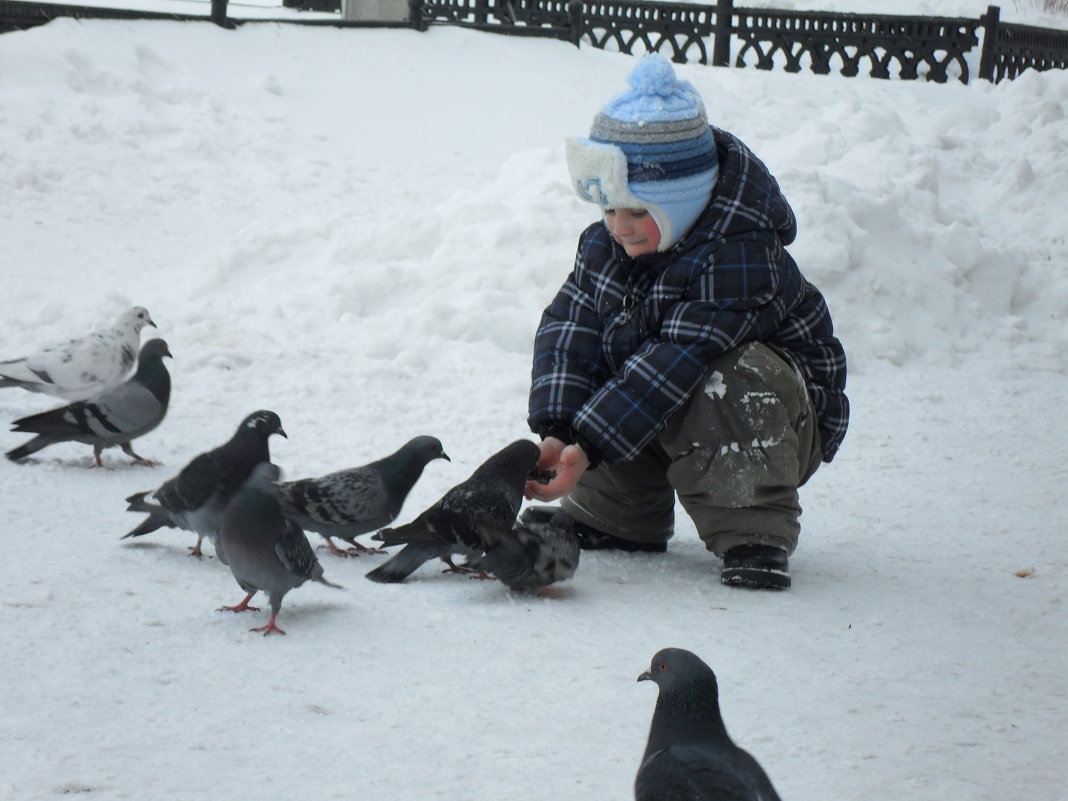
650 148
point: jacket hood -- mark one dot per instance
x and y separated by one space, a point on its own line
746 197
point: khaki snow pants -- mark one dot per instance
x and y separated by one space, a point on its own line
735 454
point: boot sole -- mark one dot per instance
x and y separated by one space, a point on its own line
757 578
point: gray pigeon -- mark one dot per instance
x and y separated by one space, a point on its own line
352 502
690 756
113 417
493 491
266 549
83 367
541 549
196 498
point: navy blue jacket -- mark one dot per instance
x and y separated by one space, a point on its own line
627 340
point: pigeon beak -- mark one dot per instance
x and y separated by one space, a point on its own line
646 676
148 321
282 432
445 456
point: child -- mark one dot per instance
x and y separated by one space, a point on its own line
686 353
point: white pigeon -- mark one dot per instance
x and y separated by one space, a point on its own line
80 368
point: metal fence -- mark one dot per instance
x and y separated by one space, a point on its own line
718 33
722 34
1009 49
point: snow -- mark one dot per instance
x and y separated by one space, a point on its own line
358 229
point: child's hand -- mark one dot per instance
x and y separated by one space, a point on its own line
568 462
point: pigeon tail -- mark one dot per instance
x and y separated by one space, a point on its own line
406 562
6 382
137 503
24 450
157 518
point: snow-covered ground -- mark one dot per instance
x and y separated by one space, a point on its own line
235 9
358 230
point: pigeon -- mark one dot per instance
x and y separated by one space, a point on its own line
113 417
196 498
493 491
690 756
81 368
351 502
541 549
266 550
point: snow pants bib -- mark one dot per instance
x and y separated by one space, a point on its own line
735 454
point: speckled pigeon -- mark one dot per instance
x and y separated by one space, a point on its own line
690 756
266 550
116 416
80 368
539 550
352 502
196 498
494 490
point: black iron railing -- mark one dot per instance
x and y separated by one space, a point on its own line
929 47
1015 48
882 46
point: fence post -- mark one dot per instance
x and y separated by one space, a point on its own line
989 21
218 13
415 15
574 14
721 44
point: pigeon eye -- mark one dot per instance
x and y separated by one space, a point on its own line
663 665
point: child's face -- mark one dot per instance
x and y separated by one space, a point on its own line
634 229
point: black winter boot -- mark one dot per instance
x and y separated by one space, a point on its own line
762 567
590 539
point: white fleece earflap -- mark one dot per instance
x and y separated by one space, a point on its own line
599 176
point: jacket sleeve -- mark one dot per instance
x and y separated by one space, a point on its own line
742 295
568 367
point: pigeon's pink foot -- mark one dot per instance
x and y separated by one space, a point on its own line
243 606
358 549
329 545
270 628
553 592
453 567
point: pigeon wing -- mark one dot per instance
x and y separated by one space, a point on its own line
339 498
61 422
193 487
84 363
685 773
128 408
463 508
86 421
295 552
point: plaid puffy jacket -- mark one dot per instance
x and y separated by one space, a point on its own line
626 341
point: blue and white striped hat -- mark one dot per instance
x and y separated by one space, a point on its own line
650 147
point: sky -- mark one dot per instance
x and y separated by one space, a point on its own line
358 229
